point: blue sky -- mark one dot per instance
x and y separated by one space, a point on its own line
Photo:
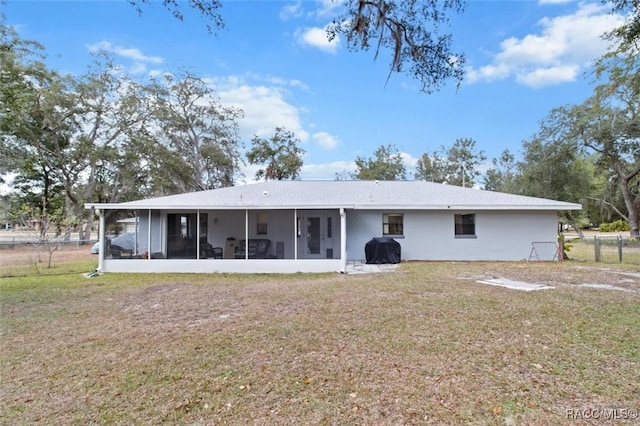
273 61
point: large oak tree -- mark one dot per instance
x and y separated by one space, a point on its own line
197 137
455 165
280 155
386 164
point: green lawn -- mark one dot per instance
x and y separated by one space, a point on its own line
424 345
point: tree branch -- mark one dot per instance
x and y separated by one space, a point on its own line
605 202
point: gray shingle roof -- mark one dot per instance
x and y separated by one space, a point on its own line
401 195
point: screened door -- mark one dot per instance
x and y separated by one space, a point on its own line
315 236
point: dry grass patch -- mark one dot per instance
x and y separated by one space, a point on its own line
425 345
28 261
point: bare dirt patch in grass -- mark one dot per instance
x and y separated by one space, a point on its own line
424 345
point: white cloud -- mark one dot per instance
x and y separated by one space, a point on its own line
547 76
325 140
565 46
554 1
409 161
265 109
289 11
125 52
328 8
139 59
317 37
264 102
278 81
298 84
488 73
326 171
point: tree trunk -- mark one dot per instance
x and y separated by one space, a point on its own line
625 183
633 224
89 224
573 222
85 232
68 219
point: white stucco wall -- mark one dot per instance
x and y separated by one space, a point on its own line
430 235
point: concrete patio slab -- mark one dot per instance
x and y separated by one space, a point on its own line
361 267
514 285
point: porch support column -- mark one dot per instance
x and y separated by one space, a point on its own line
135 241
149 236
103 249
343 241
246 234
198 234
295 234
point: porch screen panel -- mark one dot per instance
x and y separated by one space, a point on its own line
313 235
206 248
157 236
181 235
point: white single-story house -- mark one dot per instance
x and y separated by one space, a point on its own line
319 226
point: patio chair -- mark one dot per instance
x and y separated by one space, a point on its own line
118 252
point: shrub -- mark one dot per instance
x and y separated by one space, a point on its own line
617 226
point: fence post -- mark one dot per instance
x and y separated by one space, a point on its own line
596 247
620 248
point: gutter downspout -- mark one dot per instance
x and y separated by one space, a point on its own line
103 249
343 241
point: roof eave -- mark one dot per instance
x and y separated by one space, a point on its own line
452 207
112 206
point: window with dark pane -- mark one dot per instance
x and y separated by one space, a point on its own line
261 227
465 224
392 224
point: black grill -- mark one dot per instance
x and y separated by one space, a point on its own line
382 250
